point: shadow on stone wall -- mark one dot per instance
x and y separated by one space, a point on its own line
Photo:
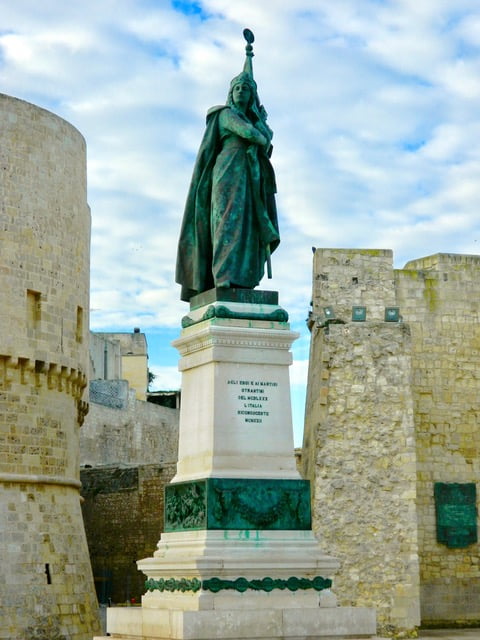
123 515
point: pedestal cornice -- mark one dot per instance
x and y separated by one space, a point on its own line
225 341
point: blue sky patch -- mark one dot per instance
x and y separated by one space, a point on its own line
190 8
413 145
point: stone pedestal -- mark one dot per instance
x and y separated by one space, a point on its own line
238 558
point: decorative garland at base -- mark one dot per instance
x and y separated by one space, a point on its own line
171 584
240 584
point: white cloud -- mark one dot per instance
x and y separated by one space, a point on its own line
166 378
299 372
375 108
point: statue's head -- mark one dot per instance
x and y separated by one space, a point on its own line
245 79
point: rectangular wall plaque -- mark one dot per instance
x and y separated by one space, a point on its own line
359 314
392 314
456 514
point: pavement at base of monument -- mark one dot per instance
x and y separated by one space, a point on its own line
423 634
445 634
450 634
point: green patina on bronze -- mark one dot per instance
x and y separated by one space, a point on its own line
230 226
173 584
231 503
267 584
220 311
258 504
456 514
185 506
239 584
278 315
219 294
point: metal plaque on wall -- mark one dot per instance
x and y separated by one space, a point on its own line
456 514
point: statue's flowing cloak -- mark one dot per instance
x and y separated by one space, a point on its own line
217 237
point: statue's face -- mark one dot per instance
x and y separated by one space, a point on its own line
241 94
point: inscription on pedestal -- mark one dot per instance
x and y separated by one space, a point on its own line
253 399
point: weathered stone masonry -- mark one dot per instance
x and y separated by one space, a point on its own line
359 445
123 514
439 297
128 454
393 408
46 582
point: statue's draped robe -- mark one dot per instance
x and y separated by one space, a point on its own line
230 219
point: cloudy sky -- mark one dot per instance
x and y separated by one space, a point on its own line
375 105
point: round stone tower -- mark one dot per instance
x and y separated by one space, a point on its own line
46 584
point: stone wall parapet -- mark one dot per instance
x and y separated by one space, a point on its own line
46 375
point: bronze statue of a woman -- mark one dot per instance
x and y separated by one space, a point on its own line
230 225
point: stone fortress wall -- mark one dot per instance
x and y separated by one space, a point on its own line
133 433
392 409
128 453
439 297
46 580
123 514
359 445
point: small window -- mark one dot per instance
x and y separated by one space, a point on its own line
34 309
79 328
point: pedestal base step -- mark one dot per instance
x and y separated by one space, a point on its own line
334 623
